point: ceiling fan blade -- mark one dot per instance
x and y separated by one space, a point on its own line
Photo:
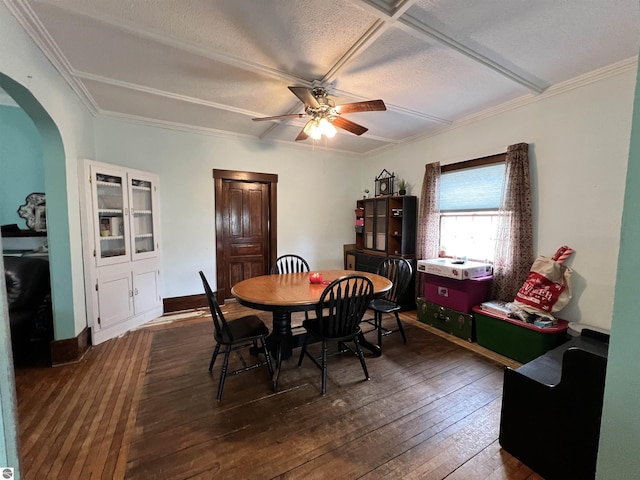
305 96
302 135
280 117
349 125
367 106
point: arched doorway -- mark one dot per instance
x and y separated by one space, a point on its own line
59 259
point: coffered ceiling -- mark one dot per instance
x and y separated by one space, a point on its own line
213 65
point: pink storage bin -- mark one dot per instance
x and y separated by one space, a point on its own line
460 295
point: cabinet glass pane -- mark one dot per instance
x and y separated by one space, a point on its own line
368 224
110 196
381 225
142 214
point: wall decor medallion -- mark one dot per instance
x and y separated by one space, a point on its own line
384 183
28 210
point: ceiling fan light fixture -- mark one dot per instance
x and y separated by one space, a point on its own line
326 128
319 126
312 129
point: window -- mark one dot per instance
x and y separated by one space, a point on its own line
470 195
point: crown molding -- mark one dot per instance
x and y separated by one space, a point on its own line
29 21
618 68
179 127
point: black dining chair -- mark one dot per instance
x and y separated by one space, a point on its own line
290 263
338 315
235 335
400 272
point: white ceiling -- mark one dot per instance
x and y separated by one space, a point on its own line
212 65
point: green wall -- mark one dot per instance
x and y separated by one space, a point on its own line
620 432
21 163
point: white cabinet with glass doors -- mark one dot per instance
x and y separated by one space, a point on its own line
121 242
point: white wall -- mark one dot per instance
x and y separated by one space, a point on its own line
579 144
316 195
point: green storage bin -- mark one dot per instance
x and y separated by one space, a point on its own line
446 319
514 339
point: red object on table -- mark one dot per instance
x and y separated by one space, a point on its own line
315 277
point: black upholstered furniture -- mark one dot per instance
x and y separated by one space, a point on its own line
30 315
241 333
338 315
552 406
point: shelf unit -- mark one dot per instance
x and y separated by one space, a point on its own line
389 225
121 241
385 226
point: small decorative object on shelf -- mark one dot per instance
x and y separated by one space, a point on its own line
402 186
384 183
28 211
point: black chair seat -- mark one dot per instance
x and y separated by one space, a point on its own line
246 327
313 326
383 305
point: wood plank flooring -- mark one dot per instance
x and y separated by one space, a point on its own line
143 406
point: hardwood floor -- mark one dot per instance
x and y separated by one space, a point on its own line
143 406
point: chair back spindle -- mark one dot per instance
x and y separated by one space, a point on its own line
399 271
290 263
343 304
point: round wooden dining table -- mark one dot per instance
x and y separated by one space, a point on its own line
285 293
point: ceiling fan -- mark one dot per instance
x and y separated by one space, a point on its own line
325 114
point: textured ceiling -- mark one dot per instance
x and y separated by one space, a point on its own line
213 65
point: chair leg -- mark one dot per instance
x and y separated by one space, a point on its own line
404 338
267 356
214 356
361 357
378 322
324 366
223 374
303 350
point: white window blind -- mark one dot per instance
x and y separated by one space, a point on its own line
472 189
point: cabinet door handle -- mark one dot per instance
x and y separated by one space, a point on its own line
131 293
135 290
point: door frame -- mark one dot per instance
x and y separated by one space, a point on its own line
271 180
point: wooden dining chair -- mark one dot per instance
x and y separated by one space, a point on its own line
235 335
290 263
399 271
338 315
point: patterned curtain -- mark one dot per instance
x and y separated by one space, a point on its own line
514 241
428 219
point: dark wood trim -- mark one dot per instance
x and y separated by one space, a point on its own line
269 178
187 302
70 350
245 176
476 162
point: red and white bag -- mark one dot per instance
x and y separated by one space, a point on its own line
547 288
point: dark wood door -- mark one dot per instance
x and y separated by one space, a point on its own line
245 227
